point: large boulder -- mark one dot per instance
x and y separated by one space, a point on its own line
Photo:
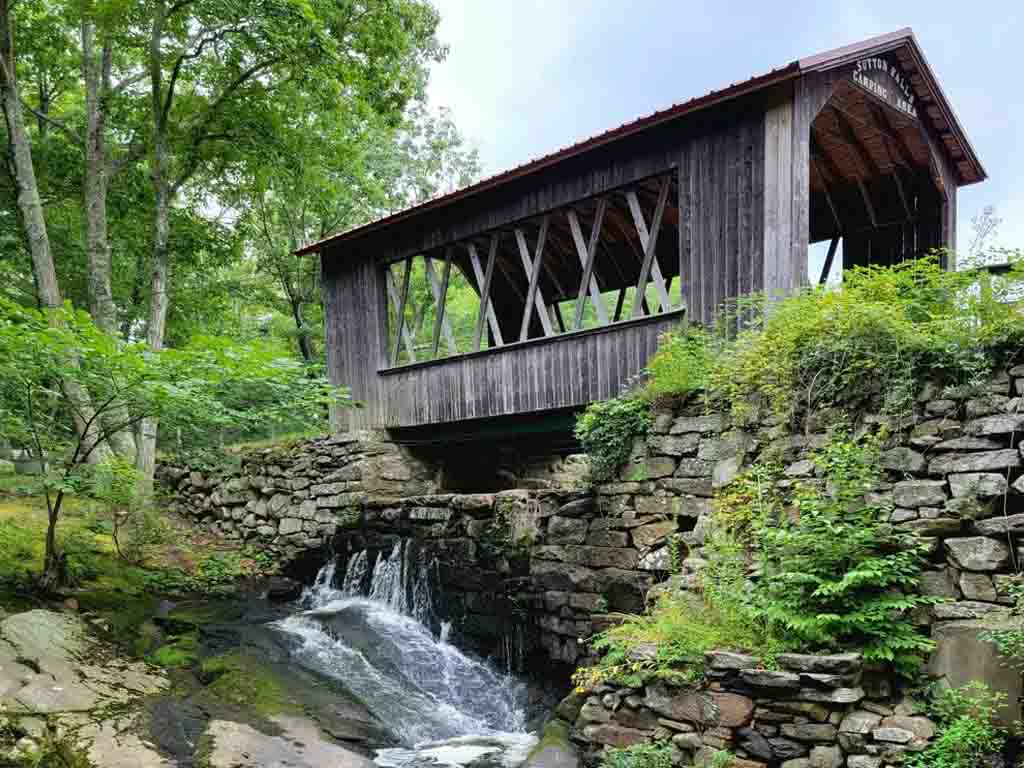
978 553
962 656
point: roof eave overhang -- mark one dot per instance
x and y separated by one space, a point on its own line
712 99
827 60
849 54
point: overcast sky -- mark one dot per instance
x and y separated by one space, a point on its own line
526 77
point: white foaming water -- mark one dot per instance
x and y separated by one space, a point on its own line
442 706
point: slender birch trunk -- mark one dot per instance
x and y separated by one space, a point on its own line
162 193
96 75
30 209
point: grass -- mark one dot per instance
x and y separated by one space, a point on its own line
121 593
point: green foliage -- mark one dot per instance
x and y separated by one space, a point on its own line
645 755
680 366
607 429
56 367
215 573
682 627
1010 641
967 733
863 346
836 574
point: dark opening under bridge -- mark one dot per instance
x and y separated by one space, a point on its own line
546 287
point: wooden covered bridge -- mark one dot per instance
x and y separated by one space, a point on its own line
546 287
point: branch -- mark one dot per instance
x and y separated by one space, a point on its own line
200 43
130 80
54 122
135 152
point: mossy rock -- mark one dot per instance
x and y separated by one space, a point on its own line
182 651
242 680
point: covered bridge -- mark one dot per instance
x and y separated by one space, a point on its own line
546 287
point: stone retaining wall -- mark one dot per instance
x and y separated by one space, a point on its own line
563 558
810 712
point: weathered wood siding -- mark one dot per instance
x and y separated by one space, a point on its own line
560 372
356 336
721 215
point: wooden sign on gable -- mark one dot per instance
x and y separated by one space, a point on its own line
884 80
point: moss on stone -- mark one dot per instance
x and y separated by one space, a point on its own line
182 651
555 734
240 679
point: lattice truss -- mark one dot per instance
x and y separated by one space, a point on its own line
572 269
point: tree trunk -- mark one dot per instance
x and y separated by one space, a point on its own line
54 562
30 206
305 343
96 74
101 298
146 461
30 209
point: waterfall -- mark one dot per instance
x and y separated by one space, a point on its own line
374 635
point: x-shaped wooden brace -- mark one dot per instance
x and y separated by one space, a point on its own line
649 241
533 294
484 281
587 252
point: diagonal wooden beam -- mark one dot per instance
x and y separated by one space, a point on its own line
484 281
533 293
893 135
649 251
641 230
396 300
902 193
827 266
401 310
619 302
435 289
440 316
828 194
556 310
864 159
588 253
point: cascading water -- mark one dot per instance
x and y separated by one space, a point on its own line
374 636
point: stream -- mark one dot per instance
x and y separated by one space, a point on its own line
374 630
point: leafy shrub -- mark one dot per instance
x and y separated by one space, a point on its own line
967 733
644 755
836 574
680 366
682 626
866 344
607 429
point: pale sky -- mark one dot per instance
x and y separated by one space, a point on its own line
526 77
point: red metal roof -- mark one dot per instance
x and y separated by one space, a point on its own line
825 60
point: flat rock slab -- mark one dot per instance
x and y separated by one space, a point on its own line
113 747
300 745
48 664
